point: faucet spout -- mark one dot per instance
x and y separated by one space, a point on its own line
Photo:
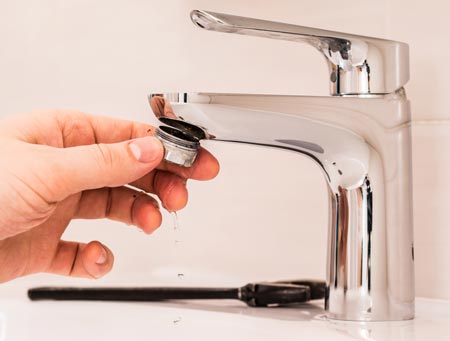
362 146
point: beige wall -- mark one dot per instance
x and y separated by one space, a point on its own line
265 216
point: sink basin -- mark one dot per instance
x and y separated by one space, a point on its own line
21 319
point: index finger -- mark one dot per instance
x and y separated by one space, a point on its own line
205 167
100 129
67 128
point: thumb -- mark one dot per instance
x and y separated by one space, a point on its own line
105 165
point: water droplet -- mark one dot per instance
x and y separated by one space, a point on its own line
180 276
177 320
176 225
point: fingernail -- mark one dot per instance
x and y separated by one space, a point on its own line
102 258
146 149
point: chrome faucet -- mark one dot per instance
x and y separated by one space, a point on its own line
361 139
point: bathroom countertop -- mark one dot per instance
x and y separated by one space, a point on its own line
21 319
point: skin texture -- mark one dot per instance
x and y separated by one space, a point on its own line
61 165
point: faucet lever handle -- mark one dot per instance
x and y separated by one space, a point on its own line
358 65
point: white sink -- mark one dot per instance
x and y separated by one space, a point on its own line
21 320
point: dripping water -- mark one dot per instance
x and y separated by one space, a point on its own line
177 242
177 239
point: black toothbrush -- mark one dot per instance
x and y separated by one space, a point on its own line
253 294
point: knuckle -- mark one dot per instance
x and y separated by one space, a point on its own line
169 191
104 156
169 184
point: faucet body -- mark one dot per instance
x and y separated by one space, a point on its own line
361 139
362 145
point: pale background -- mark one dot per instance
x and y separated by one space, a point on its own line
265 216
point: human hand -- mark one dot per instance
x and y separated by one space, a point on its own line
56 166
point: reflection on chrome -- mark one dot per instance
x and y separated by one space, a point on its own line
362 144
363 331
